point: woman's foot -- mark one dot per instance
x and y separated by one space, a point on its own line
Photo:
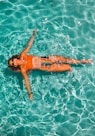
86 61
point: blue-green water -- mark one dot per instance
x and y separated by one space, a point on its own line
63 103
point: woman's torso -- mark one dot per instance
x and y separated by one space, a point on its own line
31 62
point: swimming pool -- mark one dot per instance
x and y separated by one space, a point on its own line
63 103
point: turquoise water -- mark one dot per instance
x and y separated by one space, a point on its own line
63 103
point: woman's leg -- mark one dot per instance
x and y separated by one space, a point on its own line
61 59
56 67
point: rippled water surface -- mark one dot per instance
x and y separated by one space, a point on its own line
63 103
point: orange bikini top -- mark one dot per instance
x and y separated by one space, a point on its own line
28 62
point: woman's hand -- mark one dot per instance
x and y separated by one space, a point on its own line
30 96
34 32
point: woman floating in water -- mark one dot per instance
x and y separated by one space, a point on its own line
24 63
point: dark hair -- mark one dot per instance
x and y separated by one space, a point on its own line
14 68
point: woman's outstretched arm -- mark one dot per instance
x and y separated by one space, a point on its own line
29 43
27 84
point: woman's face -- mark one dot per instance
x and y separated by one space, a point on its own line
14 62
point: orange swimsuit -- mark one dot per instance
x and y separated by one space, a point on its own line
28 60
34 62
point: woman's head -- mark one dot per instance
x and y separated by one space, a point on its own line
12 63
